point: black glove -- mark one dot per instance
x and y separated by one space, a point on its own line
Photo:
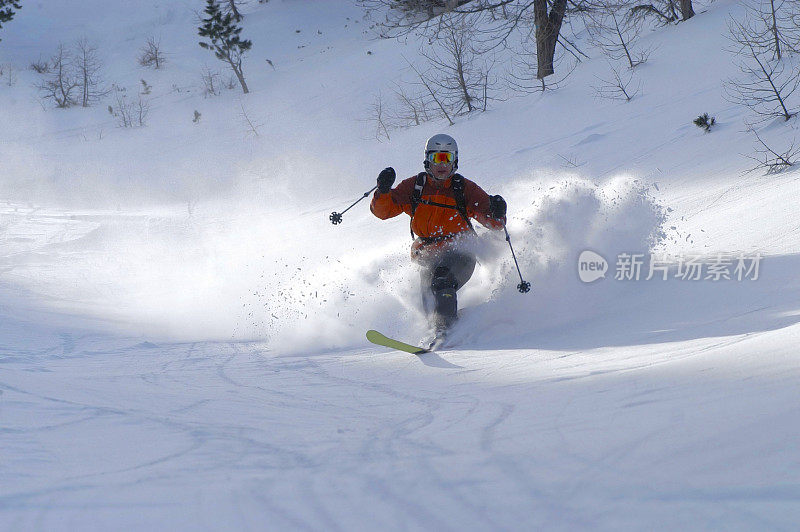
386 180
497 207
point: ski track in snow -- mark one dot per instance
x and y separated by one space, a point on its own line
381 438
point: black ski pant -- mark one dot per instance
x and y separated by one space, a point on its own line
441 277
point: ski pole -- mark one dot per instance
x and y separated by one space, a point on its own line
336 217
523 286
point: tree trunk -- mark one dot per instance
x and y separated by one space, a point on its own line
85 99
548 27
622 41
236 66
240 75
775 31
463 85
687 11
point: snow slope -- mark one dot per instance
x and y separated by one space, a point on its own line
181 328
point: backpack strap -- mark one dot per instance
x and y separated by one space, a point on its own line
457 182
416 196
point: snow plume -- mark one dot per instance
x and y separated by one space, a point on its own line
332 302
549 228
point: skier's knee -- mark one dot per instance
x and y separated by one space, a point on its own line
443 279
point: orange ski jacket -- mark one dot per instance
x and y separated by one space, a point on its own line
433 225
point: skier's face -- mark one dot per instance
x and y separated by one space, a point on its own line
440 164
441 171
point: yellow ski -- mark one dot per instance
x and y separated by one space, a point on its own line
377 338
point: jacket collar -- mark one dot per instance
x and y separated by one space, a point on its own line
439 184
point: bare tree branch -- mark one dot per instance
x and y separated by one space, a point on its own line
379 116
618 86
151 55
88 66
766 85
431 92
129 113
770 159
62 83
616 34
252 126
461 77
773 26
413 108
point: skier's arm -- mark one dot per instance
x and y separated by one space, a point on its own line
396 201
479 207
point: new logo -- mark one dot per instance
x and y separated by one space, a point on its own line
591 266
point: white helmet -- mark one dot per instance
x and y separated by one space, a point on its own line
441 142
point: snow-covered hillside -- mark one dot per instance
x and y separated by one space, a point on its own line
182 329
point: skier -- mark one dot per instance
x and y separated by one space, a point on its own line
440 203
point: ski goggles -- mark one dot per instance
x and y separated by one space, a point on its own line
441 157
